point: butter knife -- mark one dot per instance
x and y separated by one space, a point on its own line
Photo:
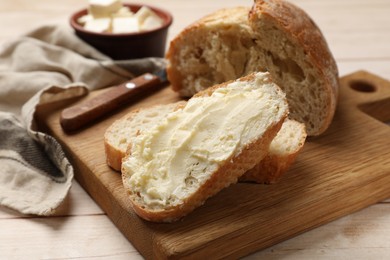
84 113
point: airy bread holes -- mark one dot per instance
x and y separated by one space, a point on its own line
288 66
190 181
198 53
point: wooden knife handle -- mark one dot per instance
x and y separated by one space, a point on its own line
75 117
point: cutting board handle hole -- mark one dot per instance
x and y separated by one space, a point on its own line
362 86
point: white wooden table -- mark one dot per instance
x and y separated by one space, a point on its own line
358 32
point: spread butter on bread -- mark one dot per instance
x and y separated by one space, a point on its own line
282 152
120 134
274 36
202 147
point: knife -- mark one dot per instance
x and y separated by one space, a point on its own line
82 114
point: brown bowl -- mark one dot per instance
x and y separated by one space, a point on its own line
124 46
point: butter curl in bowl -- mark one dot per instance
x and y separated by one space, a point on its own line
123 30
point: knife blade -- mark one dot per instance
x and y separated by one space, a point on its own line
84 113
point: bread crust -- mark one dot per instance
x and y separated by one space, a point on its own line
270 169
304 32
227 174
275 165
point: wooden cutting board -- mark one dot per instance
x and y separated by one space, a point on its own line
342 171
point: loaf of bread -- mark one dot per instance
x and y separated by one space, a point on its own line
282 152
274 36
199 149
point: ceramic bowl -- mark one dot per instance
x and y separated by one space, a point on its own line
124 46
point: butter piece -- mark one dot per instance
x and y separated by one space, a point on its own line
125 24
84 19
171 159
145 12
151 23
124 11
98 25
104 8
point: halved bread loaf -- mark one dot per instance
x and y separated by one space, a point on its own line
273 36
282 152
220 133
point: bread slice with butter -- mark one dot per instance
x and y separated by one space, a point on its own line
274 36
282 152
198 150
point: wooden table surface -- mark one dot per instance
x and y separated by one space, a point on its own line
358 32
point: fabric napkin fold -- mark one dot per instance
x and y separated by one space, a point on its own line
47 65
